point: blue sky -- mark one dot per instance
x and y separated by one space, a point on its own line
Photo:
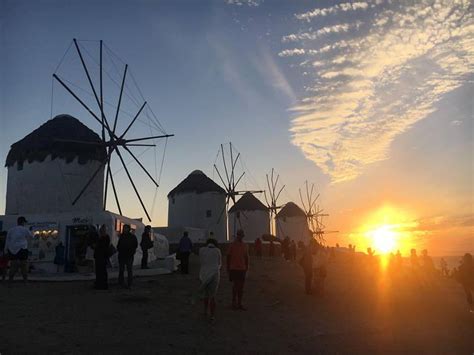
371 101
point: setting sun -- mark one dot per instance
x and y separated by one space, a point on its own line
386 230
384 239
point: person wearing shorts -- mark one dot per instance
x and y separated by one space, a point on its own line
211 260
237 266
16 246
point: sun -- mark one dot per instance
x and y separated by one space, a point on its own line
384 239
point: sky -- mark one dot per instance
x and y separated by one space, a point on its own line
372 101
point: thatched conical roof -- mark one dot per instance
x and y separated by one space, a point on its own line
248 202
196 182
43 141
291 209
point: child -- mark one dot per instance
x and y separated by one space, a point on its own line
3 256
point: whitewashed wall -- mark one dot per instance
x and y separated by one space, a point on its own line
294 227
69 219
254 223
189 209
51 186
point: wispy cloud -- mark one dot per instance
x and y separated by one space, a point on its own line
342 27
292 52
370 87
344 7
266 65
244 2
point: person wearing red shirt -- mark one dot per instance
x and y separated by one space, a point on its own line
237 266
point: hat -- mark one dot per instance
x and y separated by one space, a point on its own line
21 220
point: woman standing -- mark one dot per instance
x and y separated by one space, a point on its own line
211 260
101 256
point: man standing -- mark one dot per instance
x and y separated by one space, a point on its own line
126 247
237 266
184 249
16 246
146 243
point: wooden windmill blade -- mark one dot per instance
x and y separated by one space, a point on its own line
229 179
272 202
111 139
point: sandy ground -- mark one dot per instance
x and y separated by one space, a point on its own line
360 313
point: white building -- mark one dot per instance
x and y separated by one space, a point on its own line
250 215
45 174
197 203
291 221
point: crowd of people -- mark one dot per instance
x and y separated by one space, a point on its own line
312 256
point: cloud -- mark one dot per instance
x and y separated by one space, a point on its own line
344 7
244 2
372 86
456 123
343 27
292 52
267 66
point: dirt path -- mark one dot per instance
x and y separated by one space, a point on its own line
358 314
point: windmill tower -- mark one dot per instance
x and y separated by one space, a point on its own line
251 215
314 215
228 176
272 199
197 202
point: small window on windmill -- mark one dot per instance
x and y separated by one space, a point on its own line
19 165
208 213
172 200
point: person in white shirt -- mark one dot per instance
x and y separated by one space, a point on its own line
16 246
211 260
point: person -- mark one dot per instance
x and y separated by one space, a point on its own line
211 260
427 267
292 250
3 256
59 255
285 246
16 246
101 256
258 247
306 263
320 268
126 247
398 260
465 276
271 250
184 250
415 265
444 267
145 244
237 267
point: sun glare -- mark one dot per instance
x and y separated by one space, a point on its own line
384 239
387 230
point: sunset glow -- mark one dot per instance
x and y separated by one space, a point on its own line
387 230
384 239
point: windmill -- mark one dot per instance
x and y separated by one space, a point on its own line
272 199
115 139
314 214
231 181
